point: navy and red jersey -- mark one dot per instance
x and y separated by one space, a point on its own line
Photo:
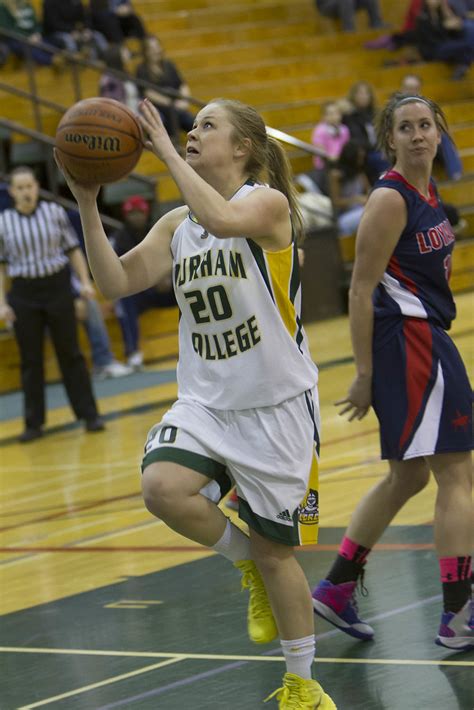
416 281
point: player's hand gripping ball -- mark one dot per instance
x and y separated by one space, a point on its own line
99 141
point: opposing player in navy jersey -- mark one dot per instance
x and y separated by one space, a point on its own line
247 406
410 371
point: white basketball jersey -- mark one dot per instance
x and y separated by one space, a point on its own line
241 341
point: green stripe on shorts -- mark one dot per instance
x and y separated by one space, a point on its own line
284 534
197 462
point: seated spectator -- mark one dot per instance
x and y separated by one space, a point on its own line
136 213
349 187
20 16
441 35
359 118
406 34
344 10
163 73
88 312
412 84
116 20
112 86
330 134
66 25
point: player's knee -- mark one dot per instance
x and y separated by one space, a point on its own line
159 492
409 477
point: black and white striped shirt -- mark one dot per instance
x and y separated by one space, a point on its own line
36 245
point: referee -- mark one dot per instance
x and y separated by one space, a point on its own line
37 242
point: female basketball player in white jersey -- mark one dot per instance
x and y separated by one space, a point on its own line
247 409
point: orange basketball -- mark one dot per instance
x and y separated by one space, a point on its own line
99 140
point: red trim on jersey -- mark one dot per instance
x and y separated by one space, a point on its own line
394 267
432 200
419 363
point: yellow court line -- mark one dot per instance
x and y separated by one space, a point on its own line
228 657
93 686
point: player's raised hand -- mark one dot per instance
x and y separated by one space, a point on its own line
358 400
80 191
159 141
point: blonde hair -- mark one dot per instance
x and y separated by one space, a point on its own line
267 159
385 119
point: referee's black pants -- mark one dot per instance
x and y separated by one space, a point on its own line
48 303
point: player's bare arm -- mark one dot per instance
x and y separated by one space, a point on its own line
382 223
151 260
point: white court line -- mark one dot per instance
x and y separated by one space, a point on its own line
107 681
231 657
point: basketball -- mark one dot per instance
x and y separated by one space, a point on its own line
99 140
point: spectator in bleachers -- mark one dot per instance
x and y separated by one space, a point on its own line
330 134
441 35
163 73
405 36
116 20
137 223
20 16
37 244
89 314
349 187
66 25
344 10
359 118
112 86
412 85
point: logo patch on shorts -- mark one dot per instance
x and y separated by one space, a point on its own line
285 515
461 421
308 511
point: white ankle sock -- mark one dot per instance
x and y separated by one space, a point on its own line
234 544
299 655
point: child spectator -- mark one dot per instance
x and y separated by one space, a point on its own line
330 134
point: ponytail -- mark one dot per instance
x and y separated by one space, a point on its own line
280 177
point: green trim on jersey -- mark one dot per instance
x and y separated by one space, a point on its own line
197 462
295 274
284 534
257 253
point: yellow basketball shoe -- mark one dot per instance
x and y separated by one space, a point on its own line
301 694
260 622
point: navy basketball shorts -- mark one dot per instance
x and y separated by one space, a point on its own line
421 393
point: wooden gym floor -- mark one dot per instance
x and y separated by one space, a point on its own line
103 607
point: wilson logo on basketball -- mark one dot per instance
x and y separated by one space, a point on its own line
107 143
